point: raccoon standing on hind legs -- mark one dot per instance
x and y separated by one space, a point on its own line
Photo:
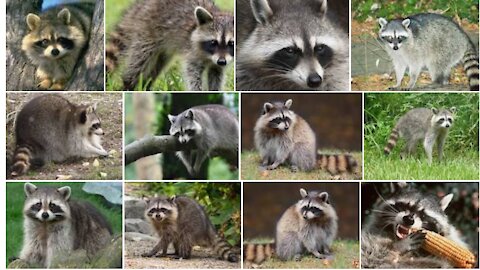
152 32
429 126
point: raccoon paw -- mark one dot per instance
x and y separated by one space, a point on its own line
297 257
45 84
294 168
57 86
413 242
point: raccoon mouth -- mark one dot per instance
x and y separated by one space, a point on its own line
402 231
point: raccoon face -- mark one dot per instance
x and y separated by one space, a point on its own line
314 205
278 116
161 209
52 38
89 121
214 36
394 33
411 210
46 204
184 126
443 118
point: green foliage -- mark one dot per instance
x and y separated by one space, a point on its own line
382 110
390 9
171 78
220 200
14 212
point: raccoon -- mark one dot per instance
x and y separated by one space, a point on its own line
428 40
54 223
311 224
213 129
182 221
290 45
152 32
56 39
389 239
283 137
421 124
51 128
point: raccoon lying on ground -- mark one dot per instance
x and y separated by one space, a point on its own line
56 38
53 223
51 128
182 221
388 238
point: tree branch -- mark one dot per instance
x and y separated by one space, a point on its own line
151 145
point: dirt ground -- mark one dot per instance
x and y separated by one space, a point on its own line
109 110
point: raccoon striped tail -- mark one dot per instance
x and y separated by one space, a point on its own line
392 141
470 65
115 46
21 161
337 163
224 250
255 254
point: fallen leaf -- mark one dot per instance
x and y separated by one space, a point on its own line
96 163
103 174
63 177
86 164
327 262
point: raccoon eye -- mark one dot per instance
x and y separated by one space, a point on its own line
42 43
190 132
36 207
290 50
231 43
96 126
65 43
320 49
54 208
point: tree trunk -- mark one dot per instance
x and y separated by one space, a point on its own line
89 72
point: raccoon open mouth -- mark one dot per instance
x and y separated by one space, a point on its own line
402 231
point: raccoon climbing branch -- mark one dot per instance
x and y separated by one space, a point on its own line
151 145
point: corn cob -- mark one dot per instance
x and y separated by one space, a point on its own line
440 246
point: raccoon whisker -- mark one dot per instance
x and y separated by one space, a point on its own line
385 201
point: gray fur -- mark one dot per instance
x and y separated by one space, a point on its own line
50 128
77 226
215 132
291 141
423 125
183 223
151 33
381 246
300 230
266 27
430 41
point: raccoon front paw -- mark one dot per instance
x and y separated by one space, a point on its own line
294 168
57 86
413 242
297 257
44 84
148 254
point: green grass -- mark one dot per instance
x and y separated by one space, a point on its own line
455 166
14 202
346 255
171 78
250 170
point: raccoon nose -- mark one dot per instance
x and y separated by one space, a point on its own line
408 220
447 125
314 80
45 215
55 52
395 47
221 62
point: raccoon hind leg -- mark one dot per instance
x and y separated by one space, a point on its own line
303 157
289 247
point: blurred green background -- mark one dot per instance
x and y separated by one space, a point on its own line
461 162
221 201
171 78
163 104
14 213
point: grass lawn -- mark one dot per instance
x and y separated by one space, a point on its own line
346 255
171 78
455 166
250 162
15 200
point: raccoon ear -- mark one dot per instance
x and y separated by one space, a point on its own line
189 115
29 189
445 201
203 16
406 23
288 103
33 21
324 197
172 199
382 22
321 6
172 118
146 199
65 192
64 15
434 110
303 193
396 187
453 109
261 11
267 106
94 106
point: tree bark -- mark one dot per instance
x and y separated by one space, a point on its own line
151 145
89 72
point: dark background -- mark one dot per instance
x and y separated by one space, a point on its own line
264 203
336 119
